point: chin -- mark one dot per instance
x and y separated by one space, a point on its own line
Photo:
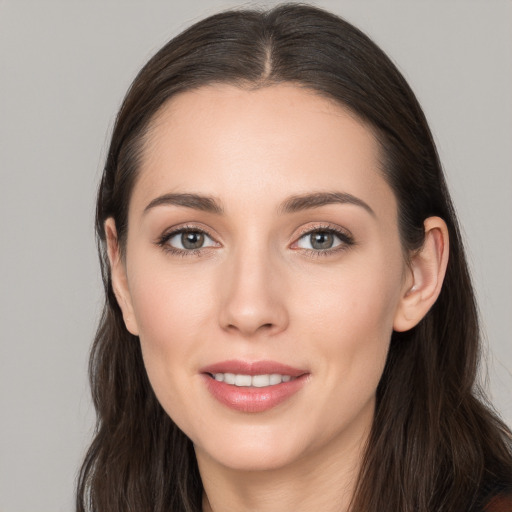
252 461
251 453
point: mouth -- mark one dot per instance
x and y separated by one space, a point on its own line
253 386
251 381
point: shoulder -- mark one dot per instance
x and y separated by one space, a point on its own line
500 501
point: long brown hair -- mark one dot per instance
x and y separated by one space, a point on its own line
435 443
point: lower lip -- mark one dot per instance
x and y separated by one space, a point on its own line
249 399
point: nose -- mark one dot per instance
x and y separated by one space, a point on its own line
253 295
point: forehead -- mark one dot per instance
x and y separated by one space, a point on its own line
235 143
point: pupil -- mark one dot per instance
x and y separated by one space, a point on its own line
321 240
192 240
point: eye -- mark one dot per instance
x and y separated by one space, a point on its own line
323 240
188 240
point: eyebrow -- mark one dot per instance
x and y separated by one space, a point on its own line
293 204
195 201
318 199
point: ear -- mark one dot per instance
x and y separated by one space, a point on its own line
119 278
425 280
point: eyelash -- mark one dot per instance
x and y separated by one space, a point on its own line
164 239
345 238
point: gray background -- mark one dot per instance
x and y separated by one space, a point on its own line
64 68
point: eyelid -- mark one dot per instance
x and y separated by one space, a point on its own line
187 226
177 234
173 231
344 235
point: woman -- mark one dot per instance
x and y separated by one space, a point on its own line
290 323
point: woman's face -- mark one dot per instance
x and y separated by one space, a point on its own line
263 249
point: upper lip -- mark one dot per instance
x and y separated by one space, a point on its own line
252 368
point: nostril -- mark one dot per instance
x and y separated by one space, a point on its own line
263 327
267 328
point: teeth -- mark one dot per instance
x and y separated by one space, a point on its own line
260 381
256 381
275 378
229 378
243 380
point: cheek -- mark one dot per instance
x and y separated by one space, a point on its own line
348 328
350 314
353 299
171 310
355 331
169 302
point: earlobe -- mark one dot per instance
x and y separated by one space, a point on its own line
427 271
119 278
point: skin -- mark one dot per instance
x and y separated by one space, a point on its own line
258 291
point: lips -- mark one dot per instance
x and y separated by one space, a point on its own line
252 386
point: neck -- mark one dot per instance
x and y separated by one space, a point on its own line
324 480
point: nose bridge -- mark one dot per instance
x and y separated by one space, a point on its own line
252 299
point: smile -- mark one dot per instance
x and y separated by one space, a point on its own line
252 387
254 381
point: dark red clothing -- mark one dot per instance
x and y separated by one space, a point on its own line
500 503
